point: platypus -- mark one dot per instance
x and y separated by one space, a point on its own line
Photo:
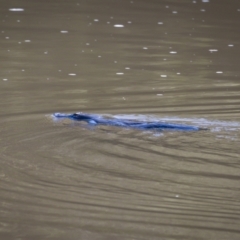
99 120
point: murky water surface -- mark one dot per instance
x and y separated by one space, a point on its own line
170 60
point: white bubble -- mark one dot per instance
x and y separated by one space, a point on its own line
230 45
16 9
118 25
159 94
63 31
96 20
120 73
160 23
178 73
173 52
129 22
127 68
205 1
27 40
72 74
163 76
213 50
202 10
174 12
145 48
219 72
5 79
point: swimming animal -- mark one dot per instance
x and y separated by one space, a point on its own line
99 120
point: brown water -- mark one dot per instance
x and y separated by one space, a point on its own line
172 60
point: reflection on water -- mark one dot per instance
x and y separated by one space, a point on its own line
140 60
